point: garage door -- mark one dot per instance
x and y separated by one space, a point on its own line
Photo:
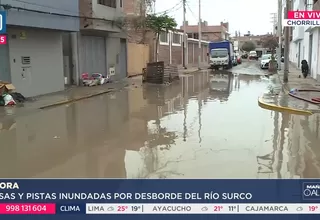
93 55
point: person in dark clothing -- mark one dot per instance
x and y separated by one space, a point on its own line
304 68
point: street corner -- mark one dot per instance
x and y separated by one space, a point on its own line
272 104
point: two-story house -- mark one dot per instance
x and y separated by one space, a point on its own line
255 39
312 39
297 44
102 41
51 43
209 32
33 58
304 43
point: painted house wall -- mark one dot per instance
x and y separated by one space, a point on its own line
44 74
41 20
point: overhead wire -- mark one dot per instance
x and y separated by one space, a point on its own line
175 8
45 6
189 8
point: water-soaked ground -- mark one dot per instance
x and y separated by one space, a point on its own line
201 127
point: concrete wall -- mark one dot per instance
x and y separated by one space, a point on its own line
41 20
44 74
113 53
106 12
91 8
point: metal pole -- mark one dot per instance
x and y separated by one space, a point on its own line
279 30
184 43
286 45
199 35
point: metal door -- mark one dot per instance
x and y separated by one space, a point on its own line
123 59
4 64
93 55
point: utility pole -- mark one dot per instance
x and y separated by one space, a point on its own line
184 43
199 35
286 45
279 30
274 22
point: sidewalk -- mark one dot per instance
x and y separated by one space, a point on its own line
296 82
277 98
72 94
192 68
76 93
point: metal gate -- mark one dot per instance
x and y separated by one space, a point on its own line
4 64
93 55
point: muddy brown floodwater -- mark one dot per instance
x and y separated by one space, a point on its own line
185 130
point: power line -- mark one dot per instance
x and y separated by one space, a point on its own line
50 7
8 7
45 6
172 9
193 14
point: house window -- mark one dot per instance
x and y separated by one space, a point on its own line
176 38
164 37
190 35
109 3
121 3
196 36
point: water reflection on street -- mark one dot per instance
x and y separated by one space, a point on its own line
189 129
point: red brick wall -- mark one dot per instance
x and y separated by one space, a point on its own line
85 8
128 6
164 54
133 7
176 53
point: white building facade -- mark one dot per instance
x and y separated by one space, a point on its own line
305 40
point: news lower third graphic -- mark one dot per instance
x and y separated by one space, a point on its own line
101 197
302 19
3 27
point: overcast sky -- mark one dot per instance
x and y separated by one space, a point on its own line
242 15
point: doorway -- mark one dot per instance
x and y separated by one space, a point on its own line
123 58
299 54
310 53
4 63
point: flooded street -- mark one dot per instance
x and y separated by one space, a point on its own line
184 130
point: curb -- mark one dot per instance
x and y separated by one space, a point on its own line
284 85
186 73
277 108
287 91
76 99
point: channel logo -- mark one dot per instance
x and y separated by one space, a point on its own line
3 22
311 191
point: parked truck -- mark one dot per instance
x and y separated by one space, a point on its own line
220 55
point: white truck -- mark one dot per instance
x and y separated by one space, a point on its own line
221 55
